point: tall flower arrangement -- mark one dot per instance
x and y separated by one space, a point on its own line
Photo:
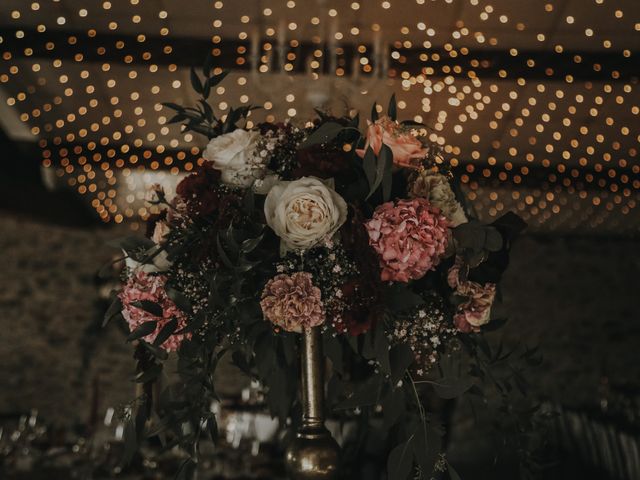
283 228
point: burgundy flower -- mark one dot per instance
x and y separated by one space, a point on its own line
409 236
200 192
362 295
292 302
143 286
322 161
360 314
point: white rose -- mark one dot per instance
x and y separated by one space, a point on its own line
436 188
304 212
234 154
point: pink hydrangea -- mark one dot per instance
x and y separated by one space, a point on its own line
144 286
476 310
409 236
292 302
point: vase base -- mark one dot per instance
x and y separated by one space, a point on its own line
312 454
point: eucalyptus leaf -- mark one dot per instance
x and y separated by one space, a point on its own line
392 110
208 111
148 306
374 112
401 357
195 81
173 106
250 244
449 387
114 310
223 255
387 176
208 65
179 298
383 164
143 330
206 90
216 79
400 461
168 330
323 134
230 240
369 166
177 118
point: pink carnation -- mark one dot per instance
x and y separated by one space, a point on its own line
292 302
407 149
409 237
143 286
476 310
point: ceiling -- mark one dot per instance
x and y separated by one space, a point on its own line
536 103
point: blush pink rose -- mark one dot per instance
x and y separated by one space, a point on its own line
407 150
143 286
476 310
409 236
292 302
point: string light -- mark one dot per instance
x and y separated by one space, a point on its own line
538 135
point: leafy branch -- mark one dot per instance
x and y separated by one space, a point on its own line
202 119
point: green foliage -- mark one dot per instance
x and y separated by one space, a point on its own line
202 118
323 134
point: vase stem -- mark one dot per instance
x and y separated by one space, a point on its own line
313 453
312 378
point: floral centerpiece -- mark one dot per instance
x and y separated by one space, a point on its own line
286 228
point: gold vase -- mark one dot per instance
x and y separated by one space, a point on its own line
313 453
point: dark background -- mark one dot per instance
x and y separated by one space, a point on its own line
571 288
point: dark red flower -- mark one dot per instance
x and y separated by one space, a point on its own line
322 161
230 210
200 191
363 295
360 314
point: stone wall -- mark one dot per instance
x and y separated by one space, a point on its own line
576 297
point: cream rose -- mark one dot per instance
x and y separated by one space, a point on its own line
435 187
234 154
304 212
